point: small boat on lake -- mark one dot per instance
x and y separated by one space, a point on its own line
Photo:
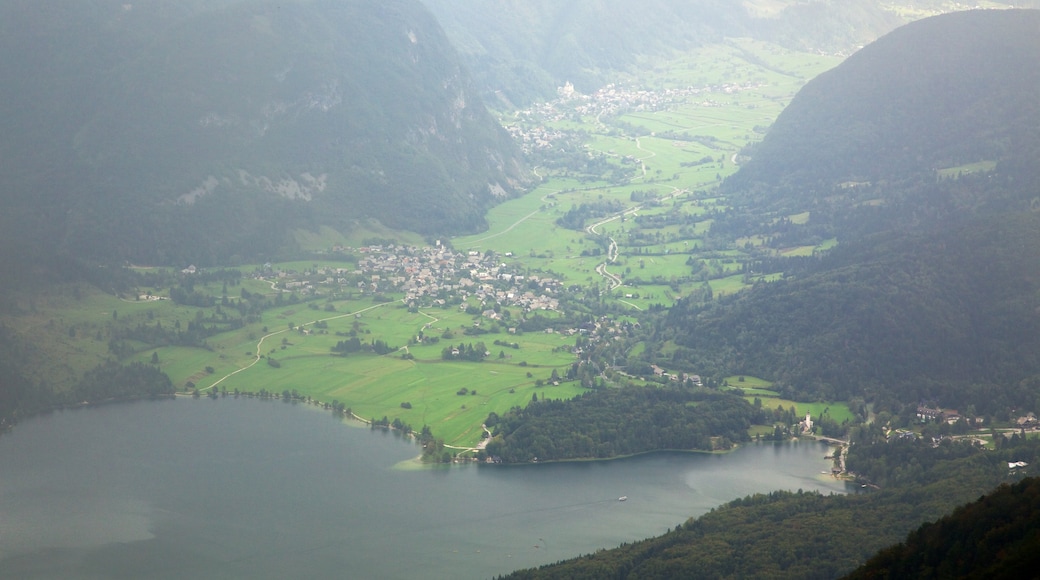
622 498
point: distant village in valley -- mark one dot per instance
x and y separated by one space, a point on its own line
427 276
611 100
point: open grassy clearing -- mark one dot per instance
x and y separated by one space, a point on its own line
760 431
376 386
967 169
748 382
754 387
810 250
837 411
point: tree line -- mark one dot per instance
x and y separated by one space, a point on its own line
614 422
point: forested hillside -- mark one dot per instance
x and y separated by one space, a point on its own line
938 93
946 314
997 536
197 132
932 294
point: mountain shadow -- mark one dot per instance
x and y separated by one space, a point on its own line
203 132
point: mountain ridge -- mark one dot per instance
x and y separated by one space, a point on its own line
201 133
887 111
543 44
931 293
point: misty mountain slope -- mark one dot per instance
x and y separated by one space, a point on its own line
938 93
526 49
204 132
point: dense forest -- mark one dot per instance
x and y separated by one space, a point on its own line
996 536
946 315
884 114
807 535
615 422
21 397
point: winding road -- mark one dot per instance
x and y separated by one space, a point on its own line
613 280
260 344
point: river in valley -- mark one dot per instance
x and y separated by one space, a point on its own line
263 489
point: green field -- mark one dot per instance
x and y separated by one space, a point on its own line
681 149
375 386
656 169
837 411
754 387
967 169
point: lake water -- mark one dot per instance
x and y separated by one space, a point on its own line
259 489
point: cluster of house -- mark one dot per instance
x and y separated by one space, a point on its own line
931 414
927 414
1027 421
676 377
428 276
609 100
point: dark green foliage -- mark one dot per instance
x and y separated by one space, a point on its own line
112 380
940 92
947 315
997 536
349 345
614 422
380 347
576 217
19 396
465 351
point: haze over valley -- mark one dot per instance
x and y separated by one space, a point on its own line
532 232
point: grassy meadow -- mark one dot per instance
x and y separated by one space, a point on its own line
682 150
756 388
671 158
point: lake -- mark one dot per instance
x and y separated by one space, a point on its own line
263 489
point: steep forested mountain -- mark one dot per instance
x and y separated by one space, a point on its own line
528 48
197 131
933 294
997 536
938 93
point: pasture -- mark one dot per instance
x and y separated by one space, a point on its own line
373 385
732 92
659 164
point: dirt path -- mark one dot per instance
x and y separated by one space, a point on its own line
260 344
513 225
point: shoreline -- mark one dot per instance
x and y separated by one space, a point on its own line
415 463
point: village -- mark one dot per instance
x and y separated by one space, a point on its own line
611 100
428 276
